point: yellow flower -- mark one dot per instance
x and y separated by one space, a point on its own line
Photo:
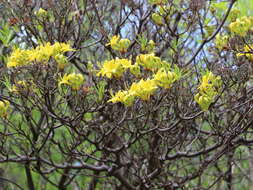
119 44
221 41
241 26
114 42
41 54
4 105
18 58
124 44
149 61
123 97
73 80
208 89
165 78
209 82
114 68
204 101
33 54
125 63
44 52
59 48
143 89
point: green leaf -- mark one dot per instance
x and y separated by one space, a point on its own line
6 35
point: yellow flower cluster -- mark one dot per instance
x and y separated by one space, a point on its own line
40 54
115 68
163 76
119 44
4 105
150 62
248 49
221 41
165 79
241 26
73 80
143 89
19 57
208 89
122 96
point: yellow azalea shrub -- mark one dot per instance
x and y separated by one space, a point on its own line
119 44
241 26
73 80
41 54
208 89
4 105
114 68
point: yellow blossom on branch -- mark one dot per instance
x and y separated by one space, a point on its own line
165 78
114 68
18 57
143 89
241 26
119 44
41 54
149 61
59 48
73 80
208 89
221 41
124 97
